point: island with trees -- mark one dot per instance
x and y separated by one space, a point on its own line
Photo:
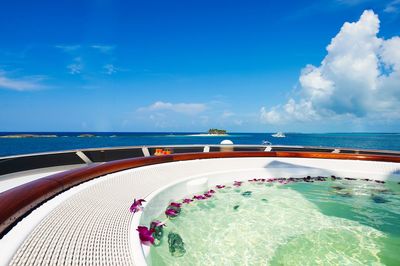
214 131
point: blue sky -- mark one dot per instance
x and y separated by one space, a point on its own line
191 65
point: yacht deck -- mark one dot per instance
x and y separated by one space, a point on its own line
81 216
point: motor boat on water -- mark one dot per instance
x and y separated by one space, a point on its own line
279 135
266 142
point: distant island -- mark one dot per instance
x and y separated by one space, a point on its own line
214 131
86 136
20 136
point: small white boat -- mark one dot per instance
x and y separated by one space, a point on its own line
278 135
266 142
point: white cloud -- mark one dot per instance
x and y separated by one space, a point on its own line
68 48
103 48
353 2
184 108
110 69
76 67
227 114
72 48
358 78
393 7
20 84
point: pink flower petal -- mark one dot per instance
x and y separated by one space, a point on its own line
237 183
175 204
157 223
137 205
207 195
171 213
187 201
145 235
199 197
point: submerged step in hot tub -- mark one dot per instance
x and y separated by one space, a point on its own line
326 220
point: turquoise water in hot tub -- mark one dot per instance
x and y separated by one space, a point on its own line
332 222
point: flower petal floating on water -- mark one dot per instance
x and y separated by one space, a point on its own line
157 223
220 186
199 197
237 183
175 204
207 195
171 213
137 205
187 201
145 235
211 191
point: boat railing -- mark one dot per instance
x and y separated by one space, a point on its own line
26 162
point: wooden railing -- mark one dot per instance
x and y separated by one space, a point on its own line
26 162
17 202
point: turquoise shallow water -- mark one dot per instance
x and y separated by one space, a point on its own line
340 222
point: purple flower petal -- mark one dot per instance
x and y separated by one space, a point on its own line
175 204
171 213
187 201
199 197
137 205
157 223
220 186
145 235
237 183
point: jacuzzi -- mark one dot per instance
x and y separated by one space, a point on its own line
197 176
82 215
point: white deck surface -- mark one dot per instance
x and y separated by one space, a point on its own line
13 180
90 224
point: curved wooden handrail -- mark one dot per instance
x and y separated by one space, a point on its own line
18 201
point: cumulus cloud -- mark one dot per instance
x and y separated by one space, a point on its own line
184 108
358 78
20 84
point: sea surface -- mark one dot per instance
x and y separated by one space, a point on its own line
58 141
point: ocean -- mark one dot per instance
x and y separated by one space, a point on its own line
58 141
